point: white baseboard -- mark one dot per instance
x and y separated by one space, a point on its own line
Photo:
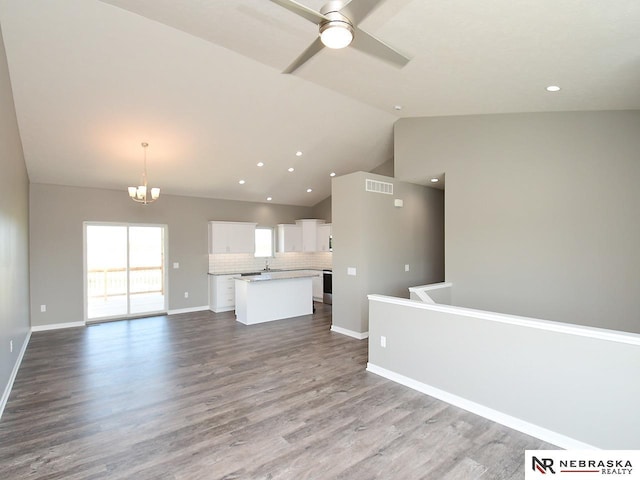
350 333
14 372
56 326
541 433
188 310
223 309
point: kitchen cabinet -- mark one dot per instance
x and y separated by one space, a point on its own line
232 237
309 234
324 238
317 280
222 293
289 238
273 296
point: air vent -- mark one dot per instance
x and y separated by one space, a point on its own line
378 187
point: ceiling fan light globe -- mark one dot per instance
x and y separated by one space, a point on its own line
336 34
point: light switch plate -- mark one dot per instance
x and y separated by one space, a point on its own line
351 271
406 267
176 265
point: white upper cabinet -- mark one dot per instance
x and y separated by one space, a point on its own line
289 238
309 234
232 237
323 239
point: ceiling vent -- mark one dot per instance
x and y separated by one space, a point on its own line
376 186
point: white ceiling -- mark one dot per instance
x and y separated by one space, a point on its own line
200 81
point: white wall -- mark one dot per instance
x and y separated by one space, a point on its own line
541 210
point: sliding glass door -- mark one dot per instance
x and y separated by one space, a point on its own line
125 272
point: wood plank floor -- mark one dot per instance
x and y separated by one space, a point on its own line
200 396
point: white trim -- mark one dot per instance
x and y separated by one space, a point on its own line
222 309
188 310
431 286
56 326
523 426
568 328
14 372
349 333
127 225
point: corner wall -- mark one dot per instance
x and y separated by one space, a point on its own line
378 240
57 216
541 210
14 236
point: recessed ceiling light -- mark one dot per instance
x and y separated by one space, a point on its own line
434 180
241 182
290 169
309 190
260 164
298 153
553 88
398 107
332 174
269 199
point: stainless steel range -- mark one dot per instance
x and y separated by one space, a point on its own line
327 286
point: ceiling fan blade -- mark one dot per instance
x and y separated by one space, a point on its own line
304 12
357 10
311 50
371 45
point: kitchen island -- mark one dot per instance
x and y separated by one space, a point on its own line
273 296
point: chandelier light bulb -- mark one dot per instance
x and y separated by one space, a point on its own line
139 193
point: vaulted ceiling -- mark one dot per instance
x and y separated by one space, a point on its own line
200 82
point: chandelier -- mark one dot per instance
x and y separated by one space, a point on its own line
141 192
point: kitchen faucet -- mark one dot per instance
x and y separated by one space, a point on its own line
266 266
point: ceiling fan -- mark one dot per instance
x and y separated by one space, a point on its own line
338 28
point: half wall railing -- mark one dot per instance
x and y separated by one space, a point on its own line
570 385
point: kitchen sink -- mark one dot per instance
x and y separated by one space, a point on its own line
248 274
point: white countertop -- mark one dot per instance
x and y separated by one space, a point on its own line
275 276
275 270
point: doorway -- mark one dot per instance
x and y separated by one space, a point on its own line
125 271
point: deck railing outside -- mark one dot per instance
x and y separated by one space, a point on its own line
110 282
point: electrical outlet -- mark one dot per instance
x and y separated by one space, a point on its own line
406 267
176 265
383 341
10 346
186 294
43 308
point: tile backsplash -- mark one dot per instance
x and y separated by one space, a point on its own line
246 262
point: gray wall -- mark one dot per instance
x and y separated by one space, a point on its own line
322 210
57 216
386 169
369 233
14 232
576 386
541 210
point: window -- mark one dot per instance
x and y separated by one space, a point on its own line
264 242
